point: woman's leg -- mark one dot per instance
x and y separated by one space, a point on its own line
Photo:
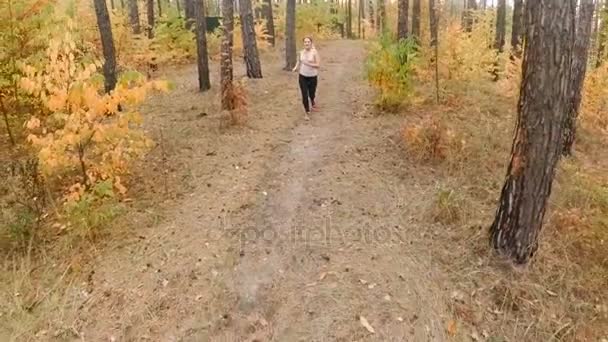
312 90
304 89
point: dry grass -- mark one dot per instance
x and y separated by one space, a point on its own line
561 295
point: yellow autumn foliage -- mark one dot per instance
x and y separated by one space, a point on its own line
81 132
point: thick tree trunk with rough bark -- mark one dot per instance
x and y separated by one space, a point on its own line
201 46
403 7
517 29
416 19
150 8
107 44
269 21
226 74
134 17
536 148
290 35
501 23
250 48
579 69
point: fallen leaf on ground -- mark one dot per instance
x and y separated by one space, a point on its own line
366 324
452 328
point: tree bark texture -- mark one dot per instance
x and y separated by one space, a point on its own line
416 19
403 7
190 9
433 22
134 17
226 73
160 8
107 44
517 29
201 46
536 148
501 23
601 41
150 8
269 22
579 69
290 35
252 59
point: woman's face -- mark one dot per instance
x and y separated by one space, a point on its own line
307 43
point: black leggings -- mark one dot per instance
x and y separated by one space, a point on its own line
308 86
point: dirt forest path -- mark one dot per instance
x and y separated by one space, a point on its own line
292 230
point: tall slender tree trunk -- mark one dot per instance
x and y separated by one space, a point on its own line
537 144
201 46
290 35
403 7
178 8
579 69
371 13
381 11
601 41
112 5
360 19
269 22
467 15
226 74
501 23
190 9
434 24
134 16
349 19
517 29
252 59
107 44
150 28
122 5
416 19
160 8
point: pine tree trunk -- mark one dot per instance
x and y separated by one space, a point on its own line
434 24
190 9
134 16
252 59
467 15
536 148
290 35
416 19
160 8
150 29
107 44
269 22
601 41
579 69
360 19
381 22
371 14
226 55
517 29
349 19
403 7
201 46
501 20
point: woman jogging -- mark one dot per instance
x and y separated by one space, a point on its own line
308 64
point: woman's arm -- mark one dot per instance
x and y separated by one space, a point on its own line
295 68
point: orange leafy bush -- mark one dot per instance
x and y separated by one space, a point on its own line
80 133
